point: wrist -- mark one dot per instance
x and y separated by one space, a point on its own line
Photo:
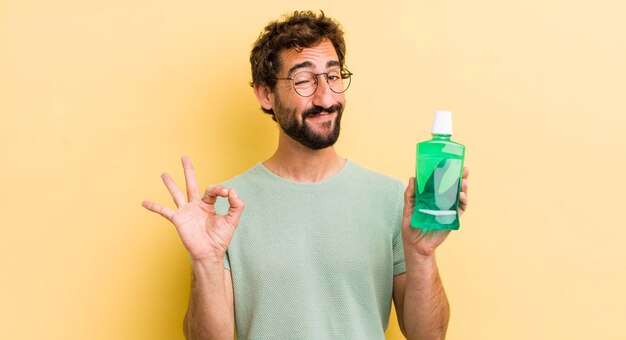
208 260
414 258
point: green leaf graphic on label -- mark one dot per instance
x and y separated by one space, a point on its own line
426 167
448 175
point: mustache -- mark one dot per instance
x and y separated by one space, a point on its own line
318 109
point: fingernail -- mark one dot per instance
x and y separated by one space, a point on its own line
234 194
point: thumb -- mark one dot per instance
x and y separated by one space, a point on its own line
409 202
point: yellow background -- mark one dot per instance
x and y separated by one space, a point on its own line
97 98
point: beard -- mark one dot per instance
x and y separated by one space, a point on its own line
302 131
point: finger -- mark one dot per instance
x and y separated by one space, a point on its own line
177 195
465 172
463 199
211 194
235 209
409 200
193 193
159 209
464 185
462 203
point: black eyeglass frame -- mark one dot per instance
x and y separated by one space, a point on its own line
345 74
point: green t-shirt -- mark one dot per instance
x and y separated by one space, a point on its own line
315 260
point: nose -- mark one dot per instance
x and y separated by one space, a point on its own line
323 96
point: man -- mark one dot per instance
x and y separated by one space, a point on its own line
324 245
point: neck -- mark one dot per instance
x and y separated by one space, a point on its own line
295 162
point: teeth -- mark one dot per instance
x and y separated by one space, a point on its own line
320 114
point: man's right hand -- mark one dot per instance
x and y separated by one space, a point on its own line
205 234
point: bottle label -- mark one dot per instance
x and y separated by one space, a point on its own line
439 169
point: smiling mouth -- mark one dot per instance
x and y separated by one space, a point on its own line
321 114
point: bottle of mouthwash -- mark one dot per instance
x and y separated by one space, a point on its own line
438 175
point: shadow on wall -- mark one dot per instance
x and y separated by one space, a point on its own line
247 134
233 133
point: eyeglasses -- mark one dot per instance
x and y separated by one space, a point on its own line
305 82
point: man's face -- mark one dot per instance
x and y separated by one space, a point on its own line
312 121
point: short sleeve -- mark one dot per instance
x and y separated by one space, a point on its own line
399 266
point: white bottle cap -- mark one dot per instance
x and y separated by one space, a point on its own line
442 124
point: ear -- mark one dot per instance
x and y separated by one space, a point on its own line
264 95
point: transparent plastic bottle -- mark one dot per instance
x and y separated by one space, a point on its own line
439 170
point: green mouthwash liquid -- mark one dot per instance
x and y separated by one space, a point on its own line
438 178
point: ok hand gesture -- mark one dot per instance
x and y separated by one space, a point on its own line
205 234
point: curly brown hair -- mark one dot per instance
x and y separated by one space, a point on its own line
300 30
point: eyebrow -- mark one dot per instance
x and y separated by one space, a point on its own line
310 64
332 63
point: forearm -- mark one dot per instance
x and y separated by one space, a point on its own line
210 313
426 309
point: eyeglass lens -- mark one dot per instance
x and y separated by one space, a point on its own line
305 82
